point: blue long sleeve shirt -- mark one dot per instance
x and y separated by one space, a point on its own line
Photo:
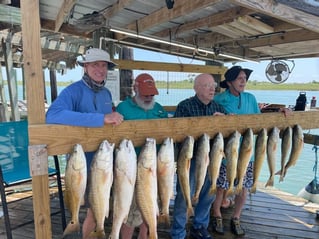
79 105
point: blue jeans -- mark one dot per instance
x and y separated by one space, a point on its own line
201 210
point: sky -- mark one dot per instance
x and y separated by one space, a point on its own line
305 70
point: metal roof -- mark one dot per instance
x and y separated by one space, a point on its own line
216 30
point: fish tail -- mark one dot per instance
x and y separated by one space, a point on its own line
229 192
253 188
212 190
164 219
190 212
98 234
152 233
195 199
71 227
270 182
239 189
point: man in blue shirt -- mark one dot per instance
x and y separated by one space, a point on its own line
201 104
141 106
87 103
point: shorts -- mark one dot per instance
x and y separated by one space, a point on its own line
134 218
223 183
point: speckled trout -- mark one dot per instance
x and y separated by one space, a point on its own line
216 155
184 158
123 186
101 179
165 178
146 186
231 154
286 142
75 185
202 161
260 155
272 147
296 147
245 153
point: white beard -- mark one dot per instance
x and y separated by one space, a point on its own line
144 106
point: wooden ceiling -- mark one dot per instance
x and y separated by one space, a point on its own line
215 30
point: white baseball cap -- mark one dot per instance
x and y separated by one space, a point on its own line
96 54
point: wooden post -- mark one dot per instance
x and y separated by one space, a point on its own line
36 113
11 78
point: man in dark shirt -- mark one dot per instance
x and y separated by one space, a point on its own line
201 104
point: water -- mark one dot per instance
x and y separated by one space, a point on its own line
298 176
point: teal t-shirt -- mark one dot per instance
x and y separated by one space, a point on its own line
246 103
131 111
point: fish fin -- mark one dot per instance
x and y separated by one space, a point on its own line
253 189
71 227
229 192
190 212
194 200
164 219
212 190
270 182
97 234
239 189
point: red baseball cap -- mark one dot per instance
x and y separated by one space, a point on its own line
146 84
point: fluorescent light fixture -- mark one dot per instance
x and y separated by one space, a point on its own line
152 39
237 57
182 45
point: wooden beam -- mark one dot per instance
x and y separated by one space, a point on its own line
159 66
282 12
36 111
11 78
65 9
311 139
165 15
209 21
117 7
254 23
177 128
10 14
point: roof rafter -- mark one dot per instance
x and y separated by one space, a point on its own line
282 12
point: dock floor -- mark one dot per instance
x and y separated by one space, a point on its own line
268 214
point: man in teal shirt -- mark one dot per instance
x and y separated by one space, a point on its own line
141 106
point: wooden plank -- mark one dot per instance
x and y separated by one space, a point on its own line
159 66
283 12
311 139
11 78
36 111
164 15
177 128
255 24
64 11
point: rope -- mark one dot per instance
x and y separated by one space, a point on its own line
315 167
